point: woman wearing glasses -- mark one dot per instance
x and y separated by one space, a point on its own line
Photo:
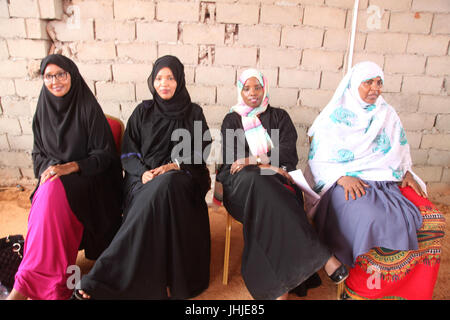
361 165
77 202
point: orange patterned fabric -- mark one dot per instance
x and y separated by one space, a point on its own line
391 274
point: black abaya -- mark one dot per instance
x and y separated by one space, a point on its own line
74 128
281 249
164 241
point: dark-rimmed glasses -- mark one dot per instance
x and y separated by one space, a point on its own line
61 76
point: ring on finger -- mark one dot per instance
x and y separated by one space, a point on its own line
52 173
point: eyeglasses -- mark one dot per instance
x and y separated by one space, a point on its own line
62 76
372 82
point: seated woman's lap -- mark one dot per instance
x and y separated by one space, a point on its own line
382 217
169 181
170 185
51 199
373 208
353 209
263 184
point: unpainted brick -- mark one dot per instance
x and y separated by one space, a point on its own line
134 9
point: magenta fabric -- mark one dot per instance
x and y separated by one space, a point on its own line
51 245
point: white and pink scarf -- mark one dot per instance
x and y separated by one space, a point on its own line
257 137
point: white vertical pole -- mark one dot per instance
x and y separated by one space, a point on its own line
352 39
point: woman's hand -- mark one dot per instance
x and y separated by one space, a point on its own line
353 186
150 174
164 168
59 170
408 180
147 176
239 164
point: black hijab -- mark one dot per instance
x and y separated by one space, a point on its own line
147 141
71 127
179 105
74 128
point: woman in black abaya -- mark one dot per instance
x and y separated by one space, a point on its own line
77 202
281 249
162 249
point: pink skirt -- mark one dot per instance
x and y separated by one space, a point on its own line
51 245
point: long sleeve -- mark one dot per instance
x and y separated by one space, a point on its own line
286 148
201 147
235 146
101 148
100 151
132 160
41 161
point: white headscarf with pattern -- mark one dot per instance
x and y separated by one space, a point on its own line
353 138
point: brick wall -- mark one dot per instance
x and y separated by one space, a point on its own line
301 46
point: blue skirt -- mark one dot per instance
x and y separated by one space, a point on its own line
382 217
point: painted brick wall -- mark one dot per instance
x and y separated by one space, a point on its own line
300 45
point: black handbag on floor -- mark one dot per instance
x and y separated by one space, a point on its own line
11 253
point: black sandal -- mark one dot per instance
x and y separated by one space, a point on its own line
339 275
76 295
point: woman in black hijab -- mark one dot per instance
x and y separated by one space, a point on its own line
77 202
162 249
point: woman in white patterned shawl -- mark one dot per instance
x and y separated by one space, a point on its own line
358 158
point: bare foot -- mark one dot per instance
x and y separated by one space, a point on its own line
331 266
283 297
84 294
16 295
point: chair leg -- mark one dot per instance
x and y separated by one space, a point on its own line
340 290
227 250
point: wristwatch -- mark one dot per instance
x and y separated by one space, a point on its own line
258 160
